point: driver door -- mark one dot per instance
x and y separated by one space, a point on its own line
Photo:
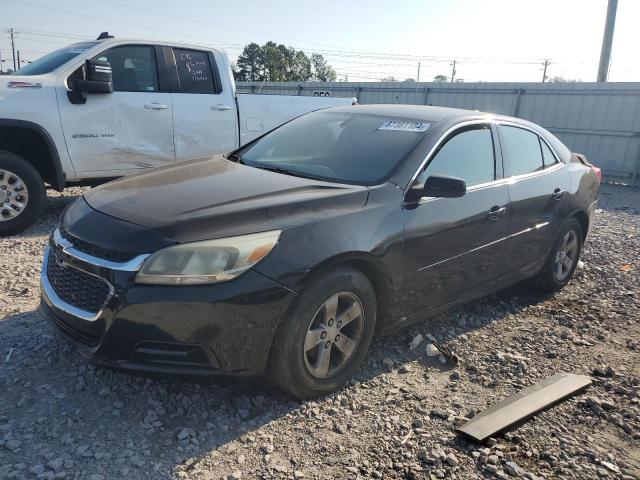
127 130
455 244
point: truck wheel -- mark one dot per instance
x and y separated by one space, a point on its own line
22 194
326 334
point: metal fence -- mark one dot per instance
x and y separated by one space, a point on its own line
601 120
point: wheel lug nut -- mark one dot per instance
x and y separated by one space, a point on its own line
330 322
339 325
327 345
337 338
323 335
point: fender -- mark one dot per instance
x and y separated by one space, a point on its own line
59 178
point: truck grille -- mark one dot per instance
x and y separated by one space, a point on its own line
95 250
75 287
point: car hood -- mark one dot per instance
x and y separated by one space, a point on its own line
215 197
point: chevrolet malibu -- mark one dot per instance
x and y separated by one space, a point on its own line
285 257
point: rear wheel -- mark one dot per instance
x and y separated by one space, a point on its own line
326 335
563 260
22 194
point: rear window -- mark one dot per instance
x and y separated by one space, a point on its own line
341 147
53 60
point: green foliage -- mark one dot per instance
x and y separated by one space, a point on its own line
278 63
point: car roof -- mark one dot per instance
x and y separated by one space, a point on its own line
414 112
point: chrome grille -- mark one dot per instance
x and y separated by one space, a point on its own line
75 287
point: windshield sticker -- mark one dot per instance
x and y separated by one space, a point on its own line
404 126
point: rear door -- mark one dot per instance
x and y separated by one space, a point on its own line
455 244
128 129
539 192
204 113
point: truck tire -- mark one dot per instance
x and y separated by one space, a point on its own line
333 319
22 194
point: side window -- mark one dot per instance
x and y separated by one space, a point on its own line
547 154
522 148
194 71
468 155
134 68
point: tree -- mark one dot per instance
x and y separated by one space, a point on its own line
409 80
322 71
279 63
390 78
558 79
440 79
250 64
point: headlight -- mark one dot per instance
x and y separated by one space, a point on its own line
210 261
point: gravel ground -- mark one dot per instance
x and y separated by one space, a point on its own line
62 418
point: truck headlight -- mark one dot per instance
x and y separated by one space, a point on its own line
209 261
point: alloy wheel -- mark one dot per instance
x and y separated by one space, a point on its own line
333 335
13 195
566 256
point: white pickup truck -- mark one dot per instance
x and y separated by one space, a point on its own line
106 108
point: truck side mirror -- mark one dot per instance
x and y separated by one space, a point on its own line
97 79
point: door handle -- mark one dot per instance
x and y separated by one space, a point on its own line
558 194
220 107
497 212
155 106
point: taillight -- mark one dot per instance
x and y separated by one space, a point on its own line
598 172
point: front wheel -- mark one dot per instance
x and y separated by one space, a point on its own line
563 260
326 335
22 194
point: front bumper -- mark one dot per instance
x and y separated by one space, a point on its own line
225 328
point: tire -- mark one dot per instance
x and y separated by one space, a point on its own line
18 216
291 367
550 279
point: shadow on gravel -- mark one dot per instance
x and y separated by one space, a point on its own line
129 423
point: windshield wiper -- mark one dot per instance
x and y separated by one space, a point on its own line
282 170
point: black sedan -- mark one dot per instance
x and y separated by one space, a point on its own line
286 257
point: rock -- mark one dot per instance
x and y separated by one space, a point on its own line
387 363
341 429
512 468
417 423
432 351
267 448
607 405
183 434
13 445
452 460
492 459
236 475
298 475
610 466
417 340
37 469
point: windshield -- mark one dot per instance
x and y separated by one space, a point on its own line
53 60
343 147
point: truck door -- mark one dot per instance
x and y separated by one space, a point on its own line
204 111
130 129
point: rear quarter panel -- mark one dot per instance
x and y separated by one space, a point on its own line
585 189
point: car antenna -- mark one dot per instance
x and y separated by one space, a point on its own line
104 35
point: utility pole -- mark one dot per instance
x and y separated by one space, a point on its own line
545 64
18 61
607 41
13 49
418 76
453 70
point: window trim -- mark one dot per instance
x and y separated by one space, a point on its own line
155 56
213 69
448 134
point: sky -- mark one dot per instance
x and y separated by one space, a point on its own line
365 40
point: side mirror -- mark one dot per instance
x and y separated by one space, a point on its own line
449 187
97 79
438 186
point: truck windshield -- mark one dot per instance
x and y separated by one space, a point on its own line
53 60
343 147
